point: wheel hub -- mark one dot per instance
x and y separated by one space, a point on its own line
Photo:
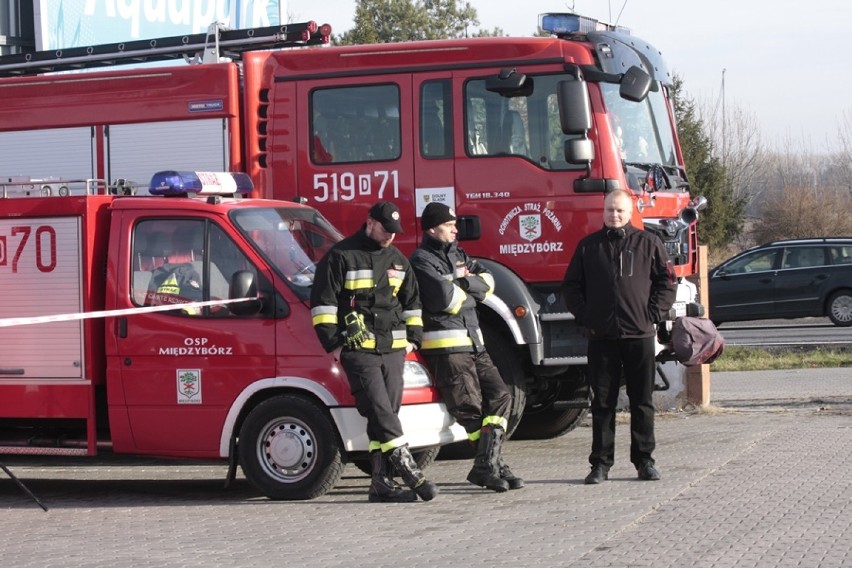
289 449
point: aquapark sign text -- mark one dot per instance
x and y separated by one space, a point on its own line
64 24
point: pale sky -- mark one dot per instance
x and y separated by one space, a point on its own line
785 63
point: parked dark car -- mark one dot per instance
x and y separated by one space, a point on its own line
785 279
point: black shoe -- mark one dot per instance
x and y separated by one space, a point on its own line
647 472
599 474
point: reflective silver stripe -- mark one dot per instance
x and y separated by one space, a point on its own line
323 310
324 314
408 314
399 334
446 338
489 280
392 273
358 279
456 301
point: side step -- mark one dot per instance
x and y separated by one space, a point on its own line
42 451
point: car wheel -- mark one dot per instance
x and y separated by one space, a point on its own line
840 308
288 449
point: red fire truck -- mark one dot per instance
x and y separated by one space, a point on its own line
95 355
522 136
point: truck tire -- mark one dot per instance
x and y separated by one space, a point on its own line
423 456
288 449
840 308
542 421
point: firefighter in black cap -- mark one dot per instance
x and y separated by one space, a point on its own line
451 285
365 300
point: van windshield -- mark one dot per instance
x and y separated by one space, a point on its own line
291 239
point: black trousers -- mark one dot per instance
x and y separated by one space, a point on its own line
609 359
471 387
375 380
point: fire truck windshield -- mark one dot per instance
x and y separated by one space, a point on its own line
291 239
643 130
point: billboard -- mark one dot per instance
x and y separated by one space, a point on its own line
74 23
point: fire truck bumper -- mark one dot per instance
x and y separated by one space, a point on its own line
424 425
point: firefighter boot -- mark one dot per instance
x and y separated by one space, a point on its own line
506 474
383 489
486 466
404 463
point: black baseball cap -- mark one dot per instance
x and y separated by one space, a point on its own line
387 214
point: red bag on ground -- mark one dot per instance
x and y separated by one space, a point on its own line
696 341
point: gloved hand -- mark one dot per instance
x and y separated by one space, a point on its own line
356 330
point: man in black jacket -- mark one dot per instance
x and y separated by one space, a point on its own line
619 285
365 301
451 285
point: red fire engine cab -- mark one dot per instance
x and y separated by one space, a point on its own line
179 326
523 137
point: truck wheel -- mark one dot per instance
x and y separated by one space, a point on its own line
542 420
508 358
423 456
840 308
288 449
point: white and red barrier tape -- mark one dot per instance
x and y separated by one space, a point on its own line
9 322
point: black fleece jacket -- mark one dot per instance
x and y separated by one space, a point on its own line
619 285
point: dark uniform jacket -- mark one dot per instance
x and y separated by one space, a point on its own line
358 274
450 323
619 286
174 284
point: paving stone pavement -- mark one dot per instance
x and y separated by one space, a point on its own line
761 478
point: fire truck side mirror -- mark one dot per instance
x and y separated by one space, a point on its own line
635 84
244 285
579 151
575 111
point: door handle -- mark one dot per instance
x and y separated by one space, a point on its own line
122 327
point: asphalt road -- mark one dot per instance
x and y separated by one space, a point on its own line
767 333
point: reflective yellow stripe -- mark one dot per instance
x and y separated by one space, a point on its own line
414 321
365 284
393 444
399 344
474 436
496 421
321 319
374 445
395 283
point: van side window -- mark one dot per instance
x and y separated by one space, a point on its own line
180 261
436 119
355 124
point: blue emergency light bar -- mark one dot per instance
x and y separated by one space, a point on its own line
170 183
563 23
